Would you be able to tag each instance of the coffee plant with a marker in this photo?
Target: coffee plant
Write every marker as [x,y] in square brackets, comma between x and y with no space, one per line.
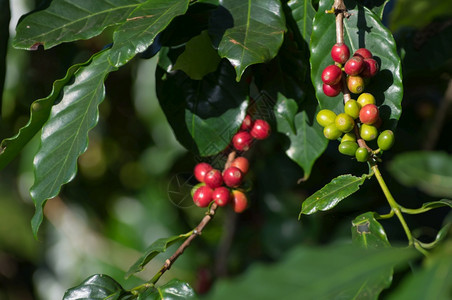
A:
[290,116]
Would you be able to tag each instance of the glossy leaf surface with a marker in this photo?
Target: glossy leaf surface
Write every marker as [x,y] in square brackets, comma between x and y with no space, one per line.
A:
[175,289]
[368,232]
[95,287]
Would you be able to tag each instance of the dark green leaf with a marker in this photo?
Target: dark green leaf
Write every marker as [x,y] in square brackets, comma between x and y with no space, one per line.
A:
[155,248]
[376,6]
[331,194]
[204,114]
[431,172]
[142,26]
[199,57]
[303,14]
[39,113]
[257,34]
[307,142]
[65,135]
[95,287]
[368,232]
[5,16]
[175,289]
[362,29]
[333,272]
[70,20]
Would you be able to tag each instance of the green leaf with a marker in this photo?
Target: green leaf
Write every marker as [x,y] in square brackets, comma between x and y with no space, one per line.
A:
[65,135]
[257,34]
[204,114]
[142,26]
[303,14]
[332,272]
[307,142]
[442,233]
[428,206]
[331,194]
[39,113]
[175,289]
[159,246]
[199,57]
[70,20]
[5,17]
[368,232]
[430,172]
[98,286]
[362,29]
[377,6]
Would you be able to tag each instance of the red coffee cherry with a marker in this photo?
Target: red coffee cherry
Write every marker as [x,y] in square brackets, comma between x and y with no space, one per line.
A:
[260,130]
[203,196]
[370,68]
[340,53]
[221,196]
[369,114]
[239,201]
[363,52]
[201,170]
[241,163]
[242,140]
[332,90]
[232,177]
[354,65]
[213,178]
[247,123]
[331,75]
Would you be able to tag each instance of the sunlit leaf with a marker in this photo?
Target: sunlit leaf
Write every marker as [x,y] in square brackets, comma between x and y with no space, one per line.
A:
[96,287]
[376,6]
[175,289]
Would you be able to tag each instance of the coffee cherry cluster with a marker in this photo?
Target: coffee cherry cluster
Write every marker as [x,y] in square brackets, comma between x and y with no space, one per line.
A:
[223,187]
[357,69]
[362,113]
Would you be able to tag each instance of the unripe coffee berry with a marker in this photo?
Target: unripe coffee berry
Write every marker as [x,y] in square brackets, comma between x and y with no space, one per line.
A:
[355,84]
[213,178]
[325,117]
[351,108]
[348,137]
[361,154]
[354,65]
[331,132]
[366,98]
[239,201]
[348,148]
[241,163]
[201,170]
[370,68]
[221,196]
[260,130]
[332,90]
[363,52]
[232,177]
[202,196]
[386,140]
[247,123]
[331,75]
[344,122]
[242,141]
[340,53]
[368,132]
[369,114]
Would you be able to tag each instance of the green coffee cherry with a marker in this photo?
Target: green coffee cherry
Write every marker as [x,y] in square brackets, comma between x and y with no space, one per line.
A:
[386,140]
[368,132]
[331,132]
[348,148]
[325,117]
[366,98]
[344,122]
[352,108]
[362,154]
[348,137]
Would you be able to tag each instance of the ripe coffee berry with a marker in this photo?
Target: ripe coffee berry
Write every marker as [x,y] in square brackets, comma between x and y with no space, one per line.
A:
[260,130]
[368,132]
[242,140]
[202,196]
[363,52]
[201,170]
[344,122]
[213,178]
[354,65]
[366,98]
[196,187]
[332,90]
[340,53]
[386,140]
[370,68]
[239,201]
[351,108]
[325,117]
[355,84]
[241,163]
[247,123]
[348,148]
[369,114]
[331,75]
[232,177]
[331,132]
[362,154]
[221,196]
